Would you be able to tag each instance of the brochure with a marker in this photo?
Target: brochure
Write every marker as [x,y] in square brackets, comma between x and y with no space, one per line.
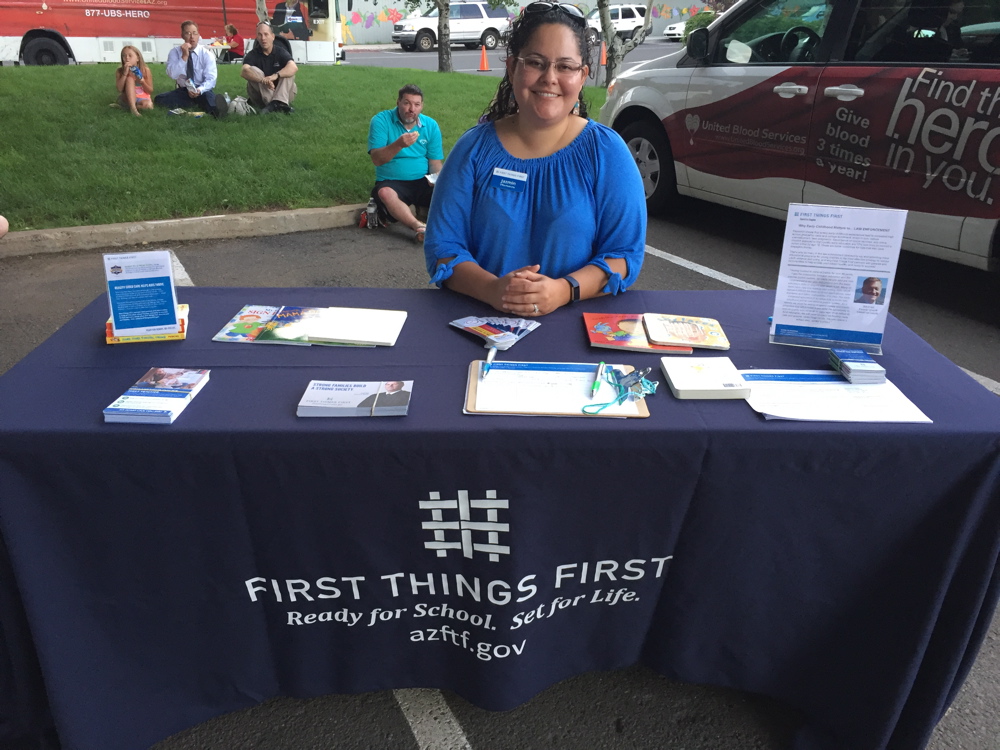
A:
[141,293]
[824,396]
[324,398]
[838,267]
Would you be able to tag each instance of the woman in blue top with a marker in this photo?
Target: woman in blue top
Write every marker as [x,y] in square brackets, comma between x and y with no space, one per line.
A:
[538,206]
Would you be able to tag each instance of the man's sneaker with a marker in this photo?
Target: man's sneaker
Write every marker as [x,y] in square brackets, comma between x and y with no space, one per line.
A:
[271,108]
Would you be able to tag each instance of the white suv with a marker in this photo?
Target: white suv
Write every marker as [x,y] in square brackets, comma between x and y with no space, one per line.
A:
[626,20]
[471,24]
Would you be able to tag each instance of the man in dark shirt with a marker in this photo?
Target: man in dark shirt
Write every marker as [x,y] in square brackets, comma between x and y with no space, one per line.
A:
[270,74]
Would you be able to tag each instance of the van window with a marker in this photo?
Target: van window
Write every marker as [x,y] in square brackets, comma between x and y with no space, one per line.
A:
[470,12]
[925,32]
[500,12]
[628,13]
[776,32]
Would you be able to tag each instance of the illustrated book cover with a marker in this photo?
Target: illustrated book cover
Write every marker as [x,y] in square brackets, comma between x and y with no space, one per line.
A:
[624,331]
[247,324]
[684,330]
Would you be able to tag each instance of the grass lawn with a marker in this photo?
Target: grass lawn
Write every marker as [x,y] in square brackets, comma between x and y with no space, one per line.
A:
[68,159]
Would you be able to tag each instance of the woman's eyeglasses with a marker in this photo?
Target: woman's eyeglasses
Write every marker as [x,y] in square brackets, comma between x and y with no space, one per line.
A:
[540,65]
[570,10]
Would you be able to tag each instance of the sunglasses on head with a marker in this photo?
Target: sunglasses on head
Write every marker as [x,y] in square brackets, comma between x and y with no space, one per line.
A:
[570,10]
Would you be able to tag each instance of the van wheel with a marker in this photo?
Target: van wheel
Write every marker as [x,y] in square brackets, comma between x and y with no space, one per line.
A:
[44,51]
[424,41]
[650,148]
[490,39]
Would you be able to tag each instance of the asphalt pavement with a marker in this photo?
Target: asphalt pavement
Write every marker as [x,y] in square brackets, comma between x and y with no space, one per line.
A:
[630,708]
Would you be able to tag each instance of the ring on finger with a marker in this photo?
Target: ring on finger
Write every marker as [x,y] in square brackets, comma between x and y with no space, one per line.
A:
[536,309]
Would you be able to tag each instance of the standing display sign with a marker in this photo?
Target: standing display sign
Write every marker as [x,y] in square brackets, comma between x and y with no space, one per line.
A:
[836,277]
[141,293]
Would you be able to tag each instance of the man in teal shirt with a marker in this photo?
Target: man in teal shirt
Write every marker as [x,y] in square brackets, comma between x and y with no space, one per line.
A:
[405,146]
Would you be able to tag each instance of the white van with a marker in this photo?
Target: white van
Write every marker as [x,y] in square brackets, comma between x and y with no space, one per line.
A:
[870,103]
[472,24]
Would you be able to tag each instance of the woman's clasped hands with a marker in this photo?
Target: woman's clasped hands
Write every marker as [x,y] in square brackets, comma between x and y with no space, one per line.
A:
[526,292]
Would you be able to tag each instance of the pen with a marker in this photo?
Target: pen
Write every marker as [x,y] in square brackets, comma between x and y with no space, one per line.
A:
[597,380]
[489,360]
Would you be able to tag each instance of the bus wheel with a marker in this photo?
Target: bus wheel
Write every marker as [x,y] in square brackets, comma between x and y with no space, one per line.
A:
[44,51]
[424,42]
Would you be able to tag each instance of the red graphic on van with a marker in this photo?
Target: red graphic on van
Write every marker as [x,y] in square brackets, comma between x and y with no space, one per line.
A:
[922,139]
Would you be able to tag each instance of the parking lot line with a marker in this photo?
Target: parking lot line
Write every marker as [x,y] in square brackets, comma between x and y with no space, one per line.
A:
[431,720]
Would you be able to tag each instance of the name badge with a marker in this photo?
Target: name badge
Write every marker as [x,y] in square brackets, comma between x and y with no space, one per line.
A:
[505,179]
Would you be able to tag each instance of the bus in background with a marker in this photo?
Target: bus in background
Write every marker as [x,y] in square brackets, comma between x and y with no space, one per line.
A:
[56,32]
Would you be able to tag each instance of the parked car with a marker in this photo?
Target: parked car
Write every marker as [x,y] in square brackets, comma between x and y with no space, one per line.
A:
[868,106]
[472,24]
[675,31]
[626,20]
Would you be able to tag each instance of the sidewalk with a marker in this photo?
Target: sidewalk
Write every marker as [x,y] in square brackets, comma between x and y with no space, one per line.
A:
[223,226]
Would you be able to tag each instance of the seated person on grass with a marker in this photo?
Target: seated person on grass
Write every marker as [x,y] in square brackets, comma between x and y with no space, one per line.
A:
[134,81]
[270,74]
[193,68]
[404,146]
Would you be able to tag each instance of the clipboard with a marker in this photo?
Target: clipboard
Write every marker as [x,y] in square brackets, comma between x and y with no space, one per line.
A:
[537,385]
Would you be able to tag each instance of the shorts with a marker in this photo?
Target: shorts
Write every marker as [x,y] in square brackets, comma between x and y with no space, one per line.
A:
[411,192]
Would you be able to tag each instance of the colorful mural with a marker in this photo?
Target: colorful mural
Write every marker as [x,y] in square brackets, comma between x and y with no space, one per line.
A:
[370,21]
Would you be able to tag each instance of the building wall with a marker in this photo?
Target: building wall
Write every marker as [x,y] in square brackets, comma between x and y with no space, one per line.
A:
[370,21]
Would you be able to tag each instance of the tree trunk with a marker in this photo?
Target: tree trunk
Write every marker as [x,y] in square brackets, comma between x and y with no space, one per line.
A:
[444,37]
[617,49]
[261,12]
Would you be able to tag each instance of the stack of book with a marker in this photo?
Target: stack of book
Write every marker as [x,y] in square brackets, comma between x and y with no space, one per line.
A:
[704,377]
[323,398]
[501,333]
[182,319]
[857,366]
[158,397]
[624,331]
[304,326]
[685,330]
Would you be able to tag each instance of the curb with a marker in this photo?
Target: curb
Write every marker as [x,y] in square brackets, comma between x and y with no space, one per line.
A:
[225,226]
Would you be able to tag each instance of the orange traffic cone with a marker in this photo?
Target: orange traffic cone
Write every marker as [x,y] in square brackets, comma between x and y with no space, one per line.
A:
[484,65]
[604,54]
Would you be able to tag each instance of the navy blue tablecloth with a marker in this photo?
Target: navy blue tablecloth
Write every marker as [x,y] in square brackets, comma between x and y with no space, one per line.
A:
[156,576]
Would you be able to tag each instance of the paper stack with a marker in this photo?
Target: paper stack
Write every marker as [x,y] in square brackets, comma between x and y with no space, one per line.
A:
[704,377]
[324,398]
[501,333]
[158,397]
[857,366]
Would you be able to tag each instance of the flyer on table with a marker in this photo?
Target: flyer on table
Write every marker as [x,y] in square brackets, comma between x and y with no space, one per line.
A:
[141,293]
[838,265]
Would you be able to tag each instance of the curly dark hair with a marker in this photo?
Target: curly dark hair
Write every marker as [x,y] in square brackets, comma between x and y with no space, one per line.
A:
[521,31]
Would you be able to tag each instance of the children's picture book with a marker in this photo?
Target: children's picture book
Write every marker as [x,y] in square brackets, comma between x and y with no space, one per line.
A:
[247,324]
[290,325]
[362,326]
[624,331]
[704,377]
[182,317]
[303,326]
[684,330]
[324,398]
[158,397]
